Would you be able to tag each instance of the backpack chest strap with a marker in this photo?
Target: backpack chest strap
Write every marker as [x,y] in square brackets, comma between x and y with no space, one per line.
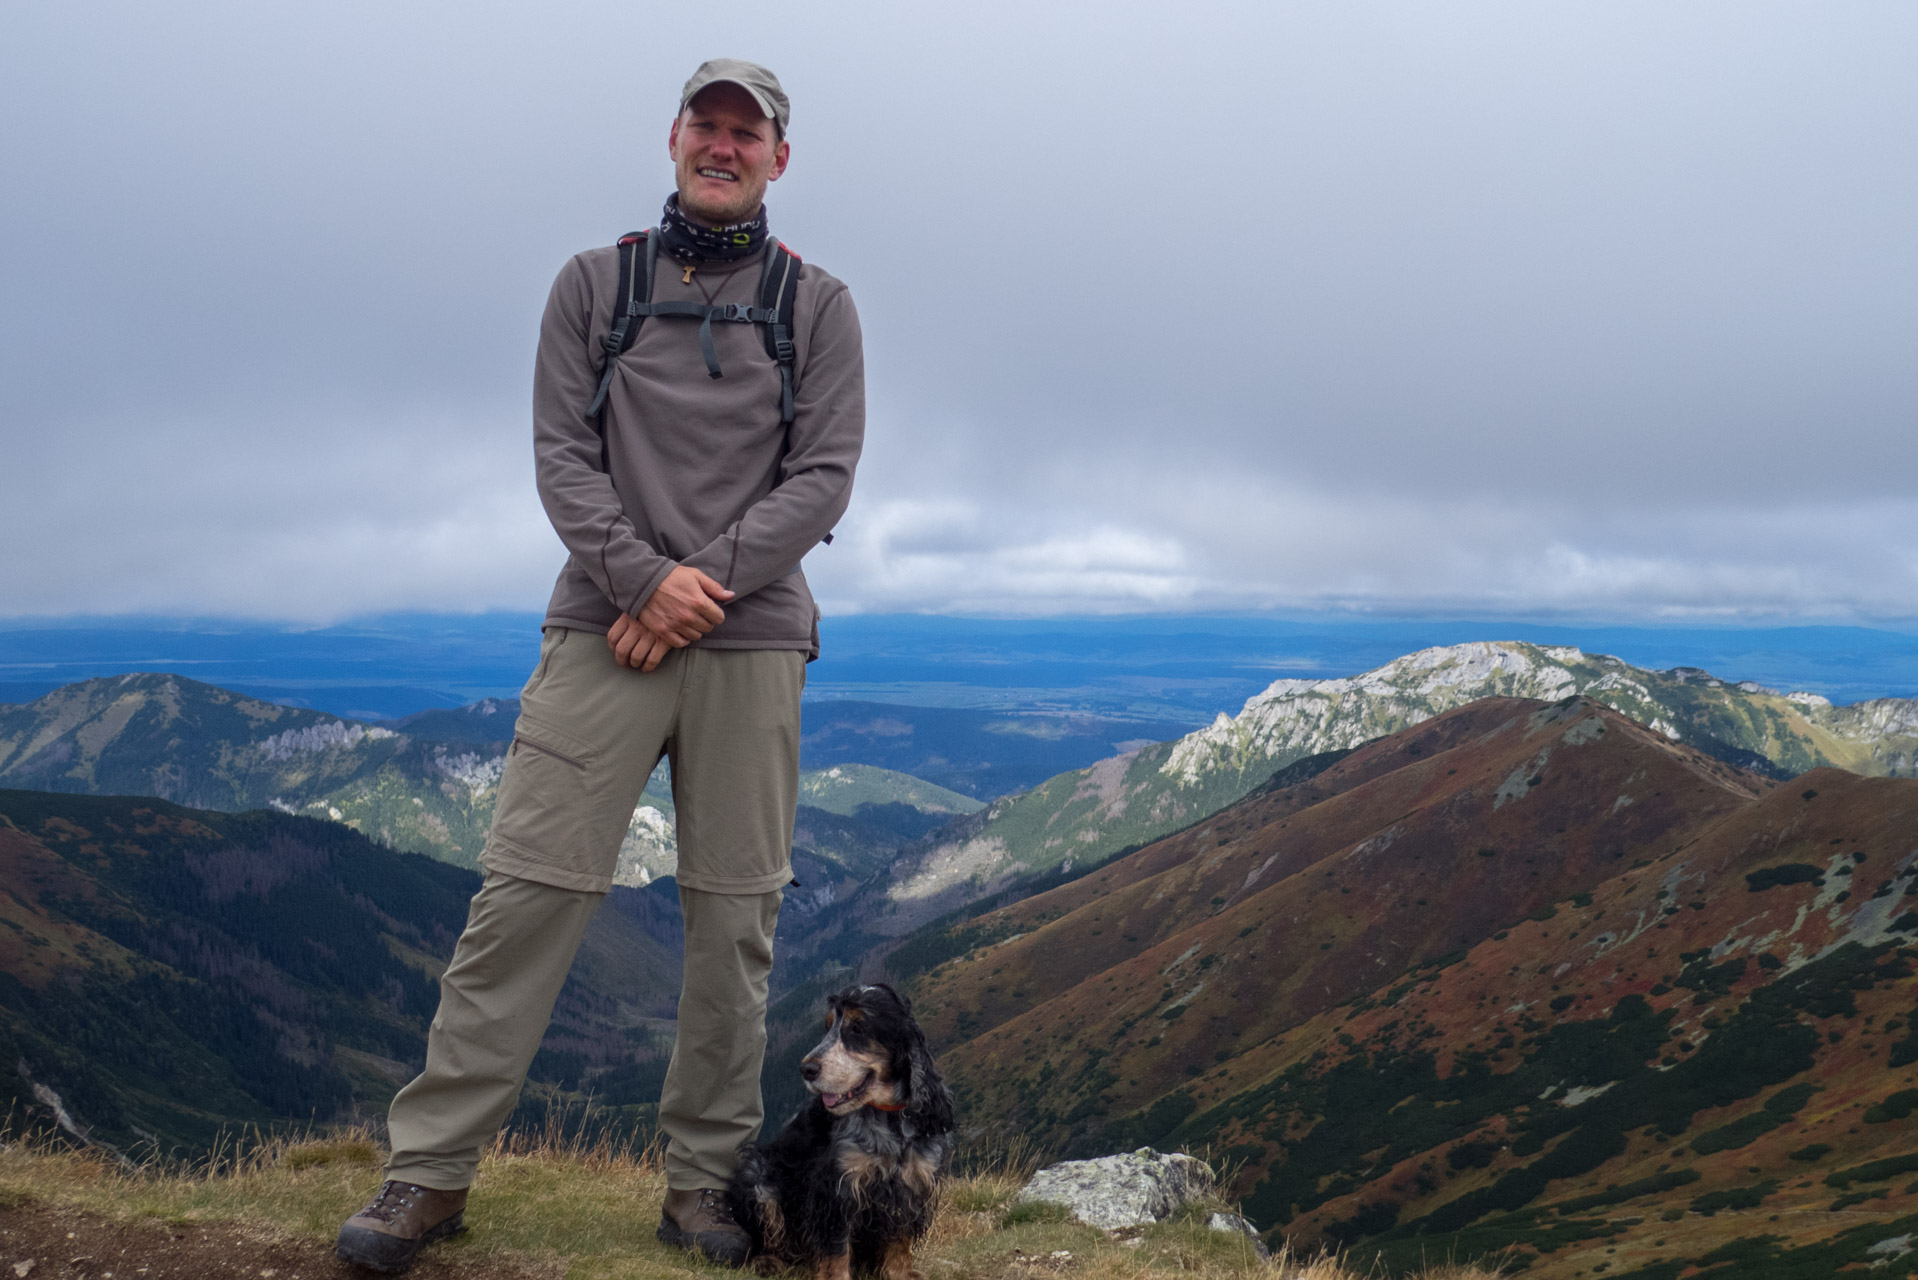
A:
[778,296]
[705,313]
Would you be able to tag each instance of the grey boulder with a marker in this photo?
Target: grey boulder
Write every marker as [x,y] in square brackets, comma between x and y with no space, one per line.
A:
[1235,1225]
[1114,1192]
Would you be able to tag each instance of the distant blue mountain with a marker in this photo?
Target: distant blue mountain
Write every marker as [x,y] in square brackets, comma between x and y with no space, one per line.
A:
[373,669]
[1180,670]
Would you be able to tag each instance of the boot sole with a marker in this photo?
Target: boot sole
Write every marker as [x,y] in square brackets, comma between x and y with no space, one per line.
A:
[671,1233]
[377,1251]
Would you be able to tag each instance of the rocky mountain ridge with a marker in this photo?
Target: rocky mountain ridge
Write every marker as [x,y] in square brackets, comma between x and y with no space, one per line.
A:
[1086,816]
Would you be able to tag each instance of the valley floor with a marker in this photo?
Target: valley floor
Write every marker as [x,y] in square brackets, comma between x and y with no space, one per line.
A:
[542,1211]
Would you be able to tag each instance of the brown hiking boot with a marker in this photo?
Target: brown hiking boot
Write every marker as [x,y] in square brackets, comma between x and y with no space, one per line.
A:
[699,1221]
[397,1223]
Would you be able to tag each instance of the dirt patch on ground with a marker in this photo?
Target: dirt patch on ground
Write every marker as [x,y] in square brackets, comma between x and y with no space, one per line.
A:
[40,1243]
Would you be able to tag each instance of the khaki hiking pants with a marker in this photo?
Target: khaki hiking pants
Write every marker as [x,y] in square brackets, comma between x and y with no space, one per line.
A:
[589,734]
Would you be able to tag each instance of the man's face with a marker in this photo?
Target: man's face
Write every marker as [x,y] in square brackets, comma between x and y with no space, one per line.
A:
[724,153]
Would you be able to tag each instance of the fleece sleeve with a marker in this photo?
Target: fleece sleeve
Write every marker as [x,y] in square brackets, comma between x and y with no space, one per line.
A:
[578,496]
[815,476]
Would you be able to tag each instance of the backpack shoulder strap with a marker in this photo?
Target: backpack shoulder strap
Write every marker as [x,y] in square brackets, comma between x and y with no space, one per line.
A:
[637,252]
[778,295]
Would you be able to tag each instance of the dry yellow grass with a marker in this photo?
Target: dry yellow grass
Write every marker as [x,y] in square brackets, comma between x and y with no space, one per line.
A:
[588,1213]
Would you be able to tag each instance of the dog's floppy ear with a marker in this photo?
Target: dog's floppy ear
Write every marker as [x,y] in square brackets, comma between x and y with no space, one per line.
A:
[928,1104]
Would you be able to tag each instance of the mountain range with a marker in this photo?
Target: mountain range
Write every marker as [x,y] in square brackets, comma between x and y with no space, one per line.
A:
[1085,816]
[426,783]
[978,753]
[1526,976]
[206,747]
[1491,948]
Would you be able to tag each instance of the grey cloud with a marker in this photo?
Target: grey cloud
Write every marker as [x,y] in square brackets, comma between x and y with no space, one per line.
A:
[1591,307]
[315,521]
[1206,542]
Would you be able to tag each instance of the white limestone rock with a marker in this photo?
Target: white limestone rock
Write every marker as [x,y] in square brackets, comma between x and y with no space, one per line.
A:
[1132,1190]
[1235,1225]
[650,849]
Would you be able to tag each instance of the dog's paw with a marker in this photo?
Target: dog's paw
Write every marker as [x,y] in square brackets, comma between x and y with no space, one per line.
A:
[765,1264]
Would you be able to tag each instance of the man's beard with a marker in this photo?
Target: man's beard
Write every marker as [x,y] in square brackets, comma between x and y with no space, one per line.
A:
[738,210]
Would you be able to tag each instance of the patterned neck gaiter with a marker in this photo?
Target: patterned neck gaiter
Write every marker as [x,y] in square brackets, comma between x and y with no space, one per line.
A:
[689,241]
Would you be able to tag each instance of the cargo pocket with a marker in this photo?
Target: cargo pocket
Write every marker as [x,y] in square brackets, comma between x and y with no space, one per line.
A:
[547,797]
[550,640]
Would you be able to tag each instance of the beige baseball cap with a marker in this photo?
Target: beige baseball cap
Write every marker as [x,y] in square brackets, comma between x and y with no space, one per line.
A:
[762,84]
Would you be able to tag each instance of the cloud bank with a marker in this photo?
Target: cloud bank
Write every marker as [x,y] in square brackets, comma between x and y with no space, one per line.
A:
[1494,309]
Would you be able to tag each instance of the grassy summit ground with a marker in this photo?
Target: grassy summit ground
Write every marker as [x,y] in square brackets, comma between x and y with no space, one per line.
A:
[539,1209]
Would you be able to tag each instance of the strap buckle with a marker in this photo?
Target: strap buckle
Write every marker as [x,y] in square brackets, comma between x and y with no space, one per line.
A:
[737,311]
[784,349]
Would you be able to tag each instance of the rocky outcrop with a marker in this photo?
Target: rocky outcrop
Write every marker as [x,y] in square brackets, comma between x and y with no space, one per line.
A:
[1234,1224]
[1115,1192]
[318,737]
[650,849]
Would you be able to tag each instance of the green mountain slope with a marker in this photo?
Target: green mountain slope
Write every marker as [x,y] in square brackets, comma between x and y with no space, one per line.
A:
[1128,800]
[853,790]
[200,745]
[851,820]
[166,972]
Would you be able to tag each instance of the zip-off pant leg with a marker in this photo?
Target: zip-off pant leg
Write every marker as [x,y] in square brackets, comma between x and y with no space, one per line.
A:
[495,1001]
[711,1102]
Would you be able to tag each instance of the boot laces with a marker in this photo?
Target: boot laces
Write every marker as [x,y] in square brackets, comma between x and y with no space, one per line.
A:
[394,1197]
[713,1201]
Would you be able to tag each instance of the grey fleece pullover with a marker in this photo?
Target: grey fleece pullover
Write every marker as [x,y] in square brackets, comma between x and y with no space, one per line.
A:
[701,472]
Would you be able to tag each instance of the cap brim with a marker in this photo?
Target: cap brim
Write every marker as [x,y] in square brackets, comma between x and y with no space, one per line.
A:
[761,100]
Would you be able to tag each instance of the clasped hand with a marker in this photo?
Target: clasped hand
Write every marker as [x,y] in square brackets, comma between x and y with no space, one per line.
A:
[681,609]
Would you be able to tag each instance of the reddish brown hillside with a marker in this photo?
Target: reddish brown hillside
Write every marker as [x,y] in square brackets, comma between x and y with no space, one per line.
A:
[1706,1057]
[1550,985]
[1213,943]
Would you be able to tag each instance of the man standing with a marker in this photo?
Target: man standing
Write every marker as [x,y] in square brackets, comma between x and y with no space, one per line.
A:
[716,459]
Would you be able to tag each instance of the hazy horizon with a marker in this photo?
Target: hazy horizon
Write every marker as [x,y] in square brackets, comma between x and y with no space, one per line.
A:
[1166,667]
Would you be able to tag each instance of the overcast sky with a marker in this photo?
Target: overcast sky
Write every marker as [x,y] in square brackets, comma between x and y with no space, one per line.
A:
[1450,308]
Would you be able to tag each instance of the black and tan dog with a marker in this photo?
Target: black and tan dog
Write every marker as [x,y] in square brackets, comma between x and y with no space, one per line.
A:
[853,1179]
